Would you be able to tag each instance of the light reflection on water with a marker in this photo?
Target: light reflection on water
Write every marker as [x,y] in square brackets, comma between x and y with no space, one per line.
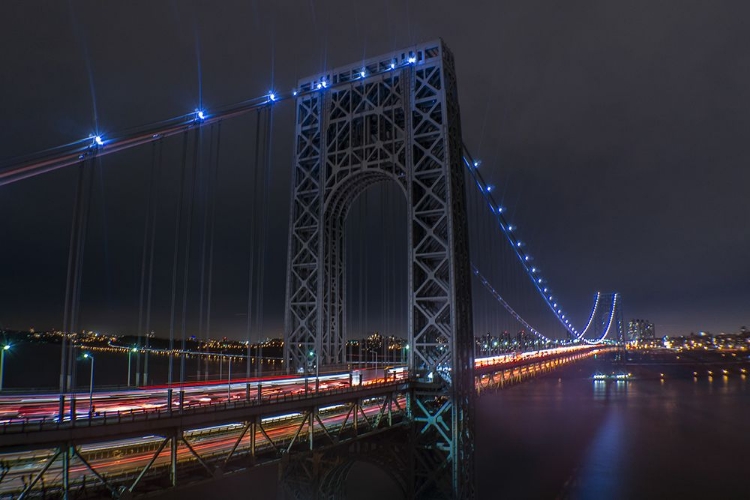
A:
[566,436]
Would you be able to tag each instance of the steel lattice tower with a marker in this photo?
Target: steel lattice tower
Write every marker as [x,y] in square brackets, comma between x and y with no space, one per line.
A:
[392,118]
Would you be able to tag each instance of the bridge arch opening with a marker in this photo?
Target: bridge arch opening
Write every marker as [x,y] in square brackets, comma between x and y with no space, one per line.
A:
[376,274]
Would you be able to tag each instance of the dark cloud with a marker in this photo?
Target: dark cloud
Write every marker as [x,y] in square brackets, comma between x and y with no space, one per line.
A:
[617,132]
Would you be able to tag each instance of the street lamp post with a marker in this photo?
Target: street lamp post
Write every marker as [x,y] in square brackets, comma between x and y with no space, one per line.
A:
[130,351]
[229,380]
[91,385]
[306,369]
[2,363]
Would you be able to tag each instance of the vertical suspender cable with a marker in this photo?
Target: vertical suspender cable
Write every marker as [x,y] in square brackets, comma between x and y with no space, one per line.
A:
[264,221]
[212,226]
[74,228]
[186,265]
[251,259]
[175,256]
[78,277]
[144,261]
[204,240]
[154,200]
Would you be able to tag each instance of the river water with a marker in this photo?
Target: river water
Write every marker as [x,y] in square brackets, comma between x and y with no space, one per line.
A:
[664,434]
[566,436]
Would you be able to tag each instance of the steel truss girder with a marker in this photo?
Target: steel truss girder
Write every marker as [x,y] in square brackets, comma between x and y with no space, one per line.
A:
[67,452]
[362,417]
[399,125]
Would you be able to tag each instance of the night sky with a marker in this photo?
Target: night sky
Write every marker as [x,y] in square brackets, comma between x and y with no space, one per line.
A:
[617,133]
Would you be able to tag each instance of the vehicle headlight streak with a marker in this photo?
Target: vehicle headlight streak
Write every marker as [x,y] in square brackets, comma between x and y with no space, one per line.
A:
[525,259]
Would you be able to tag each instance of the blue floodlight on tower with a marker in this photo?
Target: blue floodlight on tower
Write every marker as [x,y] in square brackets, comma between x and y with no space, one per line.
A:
[199,115]
[271,96]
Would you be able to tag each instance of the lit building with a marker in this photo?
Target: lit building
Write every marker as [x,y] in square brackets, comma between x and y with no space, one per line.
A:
[641,329]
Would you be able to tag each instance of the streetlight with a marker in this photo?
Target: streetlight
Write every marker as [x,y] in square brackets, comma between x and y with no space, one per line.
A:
[306,368]
[229,380]
[314,354]
[91,384]
[130,351]
[6,347]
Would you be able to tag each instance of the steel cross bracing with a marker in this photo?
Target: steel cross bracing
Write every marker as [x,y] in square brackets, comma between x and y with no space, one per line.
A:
[392,118]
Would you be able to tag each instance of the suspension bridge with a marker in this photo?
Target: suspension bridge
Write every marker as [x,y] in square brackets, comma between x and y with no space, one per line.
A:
[469,292]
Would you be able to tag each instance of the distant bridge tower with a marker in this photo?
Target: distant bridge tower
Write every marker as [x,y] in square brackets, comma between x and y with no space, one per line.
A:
[607,320]
[392,118]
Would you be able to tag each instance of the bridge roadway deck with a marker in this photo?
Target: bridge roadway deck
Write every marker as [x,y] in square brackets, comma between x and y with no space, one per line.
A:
[515,360]
[30,434]
[25,436]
